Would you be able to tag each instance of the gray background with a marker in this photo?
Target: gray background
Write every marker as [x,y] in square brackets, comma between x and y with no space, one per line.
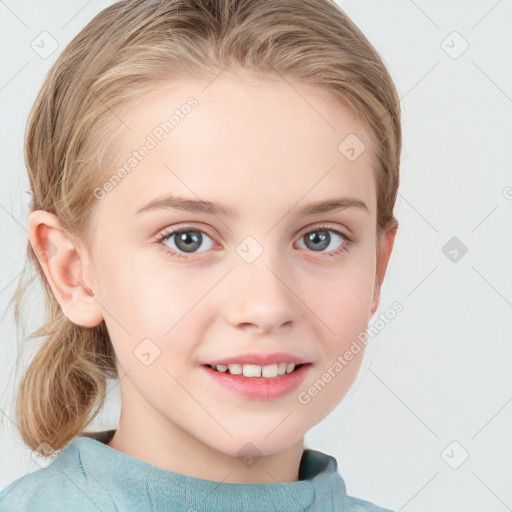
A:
[435,386]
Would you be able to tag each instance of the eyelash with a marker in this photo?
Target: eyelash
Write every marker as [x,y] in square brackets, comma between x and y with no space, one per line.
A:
[167,234]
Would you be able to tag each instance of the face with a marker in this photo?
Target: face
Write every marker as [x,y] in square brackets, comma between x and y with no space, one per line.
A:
[259,274]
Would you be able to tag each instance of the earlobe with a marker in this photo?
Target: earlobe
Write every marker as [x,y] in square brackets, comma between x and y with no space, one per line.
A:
[384,252]
[63,268]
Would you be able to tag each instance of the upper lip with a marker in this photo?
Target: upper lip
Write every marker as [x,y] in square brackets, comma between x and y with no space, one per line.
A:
[259,359]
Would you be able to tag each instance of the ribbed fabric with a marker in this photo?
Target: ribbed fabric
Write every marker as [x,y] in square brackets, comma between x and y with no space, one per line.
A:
[89,476]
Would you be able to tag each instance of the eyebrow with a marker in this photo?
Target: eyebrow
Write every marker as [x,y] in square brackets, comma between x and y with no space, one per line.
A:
[170,201]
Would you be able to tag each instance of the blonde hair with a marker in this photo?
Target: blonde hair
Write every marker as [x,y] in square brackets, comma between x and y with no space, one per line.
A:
[131,48]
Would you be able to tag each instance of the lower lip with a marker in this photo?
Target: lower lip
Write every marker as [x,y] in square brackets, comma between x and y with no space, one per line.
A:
[260,388]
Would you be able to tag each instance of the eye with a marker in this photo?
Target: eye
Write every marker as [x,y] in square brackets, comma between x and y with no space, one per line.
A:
[181,242]
[320,239]
[184,240]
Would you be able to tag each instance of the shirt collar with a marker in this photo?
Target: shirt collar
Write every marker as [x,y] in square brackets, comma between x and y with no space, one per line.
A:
[134,481]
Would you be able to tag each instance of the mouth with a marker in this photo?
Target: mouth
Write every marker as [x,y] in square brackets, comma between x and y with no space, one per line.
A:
[254,382]
[271,371]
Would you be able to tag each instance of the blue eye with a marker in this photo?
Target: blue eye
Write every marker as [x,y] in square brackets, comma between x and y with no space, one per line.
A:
[187,240]
[322,239]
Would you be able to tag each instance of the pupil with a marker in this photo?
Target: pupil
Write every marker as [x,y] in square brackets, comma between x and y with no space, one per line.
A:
[323,239]
[191,240]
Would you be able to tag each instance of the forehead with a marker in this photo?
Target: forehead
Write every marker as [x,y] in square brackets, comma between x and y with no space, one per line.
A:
[244,142]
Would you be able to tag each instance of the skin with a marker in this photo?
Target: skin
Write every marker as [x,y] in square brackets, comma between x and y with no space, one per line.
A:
[264,150]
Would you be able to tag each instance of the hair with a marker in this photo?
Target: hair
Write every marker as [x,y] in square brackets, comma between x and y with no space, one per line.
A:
[131,48]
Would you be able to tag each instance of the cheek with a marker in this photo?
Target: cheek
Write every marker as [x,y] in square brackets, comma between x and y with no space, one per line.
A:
[349,280]
[343,303]
[148,294]
[344,313]
[152,302]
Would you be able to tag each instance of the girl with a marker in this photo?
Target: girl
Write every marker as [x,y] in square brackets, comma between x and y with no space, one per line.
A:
[213,185]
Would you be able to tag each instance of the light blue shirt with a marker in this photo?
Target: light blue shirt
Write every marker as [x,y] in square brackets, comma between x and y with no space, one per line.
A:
[90,476]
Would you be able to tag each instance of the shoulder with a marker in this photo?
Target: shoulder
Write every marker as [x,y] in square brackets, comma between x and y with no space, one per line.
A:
[352,504]
[61,486]
[318,464]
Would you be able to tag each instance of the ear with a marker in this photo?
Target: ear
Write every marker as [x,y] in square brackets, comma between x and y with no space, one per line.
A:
[63,268]
[385,247]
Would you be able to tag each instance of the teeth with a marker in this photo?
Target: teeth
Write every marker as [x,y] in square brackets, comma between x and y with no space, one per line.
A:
[269,371]
[254,370]
[251,370]
[235,369]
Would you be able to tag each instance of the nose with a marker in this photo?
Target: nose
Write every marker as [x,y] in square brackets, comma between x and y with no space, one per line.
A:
[261,298]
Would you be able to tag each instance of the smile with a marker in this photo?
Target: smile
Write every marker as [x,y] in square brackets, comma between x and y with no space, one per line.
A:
[254,370]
